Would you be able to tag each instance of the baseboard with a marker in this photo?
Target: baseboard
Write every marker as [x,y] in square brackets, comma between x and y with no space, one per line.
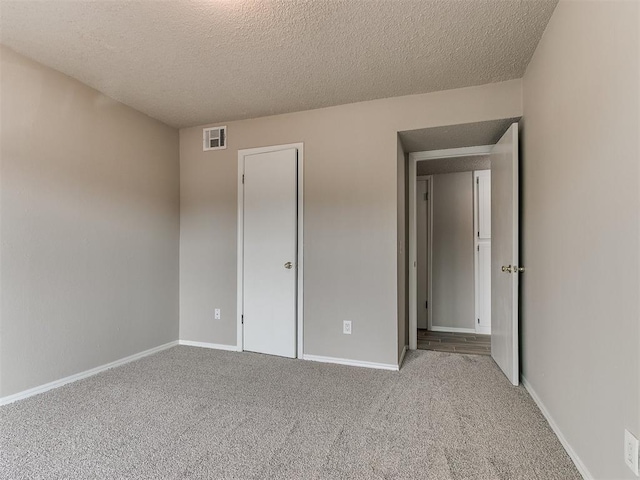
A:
[215,346]
[582,469]
[483,331]
[452,329]
[353,363]
[79,376]
[404,352]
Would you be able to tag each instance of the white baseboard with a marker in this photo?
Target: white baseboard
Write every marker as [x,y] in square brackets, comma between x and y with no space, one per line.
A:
[353,363]
[582,469]
[452,329]
[215,346]
[79,376]
[404,352]
[483,330]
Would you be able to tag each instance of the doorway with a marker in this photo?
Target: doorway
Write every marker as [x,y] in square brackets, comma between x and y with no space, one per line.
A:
[452,241]
[504,234]
[270,255]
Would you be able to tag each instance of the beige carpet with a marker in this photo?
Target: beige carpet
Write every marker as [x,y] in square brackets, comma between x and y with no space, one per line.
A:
[197,413]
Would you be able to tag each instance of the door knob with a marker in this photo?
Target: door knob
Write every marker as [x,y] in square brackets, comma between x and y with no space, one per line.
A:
[517,269]
[288,265]
[507,269]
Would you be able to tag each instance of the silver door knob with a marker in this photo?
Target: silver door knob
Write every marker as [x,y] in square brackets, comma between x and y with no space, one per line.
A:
[517,269]
[288,265]
[507,269]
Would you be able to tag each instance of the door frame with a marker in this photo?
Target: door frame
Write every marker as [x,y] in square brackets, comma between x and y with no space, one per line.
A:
[414,158]
[300,243]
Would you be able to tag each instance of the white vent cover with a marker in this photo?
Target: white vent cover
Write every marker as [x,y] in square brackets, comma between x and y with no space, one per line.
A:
[214,138]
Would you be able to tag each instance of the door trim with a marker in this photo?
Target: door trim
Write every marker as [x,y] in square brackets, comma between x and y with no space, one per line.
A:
[240,244]
[414,158]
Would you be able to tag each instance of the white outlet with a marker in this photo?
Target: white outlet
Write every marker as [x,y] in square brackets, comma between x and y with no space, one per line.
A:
[631,451]
[216,314]
[346,327]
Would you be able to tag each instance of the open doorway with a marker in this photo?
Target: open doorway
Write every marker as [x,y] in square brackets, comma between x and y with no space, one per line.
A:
[472,243]
[453,244]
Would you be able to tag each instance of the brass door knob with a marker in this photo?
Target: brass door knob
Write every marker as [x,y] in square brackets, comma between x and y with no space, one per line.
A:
[507,269]
[288,265]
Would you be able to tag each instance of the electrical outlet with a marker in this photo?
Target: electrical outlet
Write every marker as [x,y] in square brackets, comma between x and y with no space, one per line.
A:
[346,327]
[631,451]
[216,314]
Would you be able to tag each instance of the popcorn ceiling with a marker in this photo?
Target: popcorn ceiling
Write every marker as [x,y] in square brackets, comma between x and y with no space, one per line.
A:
[190,63]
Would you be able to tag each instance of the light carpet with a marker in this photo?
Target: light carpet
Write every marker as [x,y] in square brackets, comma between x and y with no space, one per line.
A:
[189,413]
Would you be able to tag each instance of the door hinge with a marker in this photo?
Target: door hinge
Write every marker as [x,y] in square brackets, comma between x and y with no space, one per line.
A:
[478,233]
[478,319]
[478,247]
[242,319]
[477,181]
[243,179]
[426,304]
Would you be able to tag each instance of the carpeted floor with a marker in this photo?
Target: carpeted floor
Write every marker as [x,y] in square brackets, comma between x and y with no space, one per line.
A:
[197,413]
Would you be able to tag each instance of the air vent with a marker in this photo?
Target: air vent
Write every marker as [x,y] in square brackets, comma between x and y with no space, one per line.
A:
[214,138]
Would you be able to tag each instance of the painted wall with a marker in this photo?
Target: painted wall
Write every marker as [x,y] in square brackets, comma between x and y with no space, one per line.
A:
[452,256]
[351,227]
[89,205]
[580,235]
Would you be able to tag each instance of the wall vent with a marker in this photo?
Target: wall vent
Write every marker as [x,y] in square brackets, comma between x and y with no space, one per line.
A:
[214,138]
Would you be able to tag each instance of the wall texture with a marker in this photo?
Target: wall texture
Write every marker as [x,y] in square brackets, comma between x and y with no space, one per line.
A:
[453,263]
[351,227]
[89,208]
[451,165]
[580,236]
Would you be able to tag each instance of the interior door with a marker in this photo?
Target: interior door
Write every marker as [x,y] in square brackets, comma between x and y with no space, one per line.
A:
[483,251]
[421,252]
[483,288]
[504,254]
[270,253]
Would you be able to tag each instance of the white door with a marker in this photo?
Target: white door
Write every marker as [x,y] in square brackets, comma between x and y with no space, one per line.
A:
[483,288]
[270,257]
[482,209]
[504,254]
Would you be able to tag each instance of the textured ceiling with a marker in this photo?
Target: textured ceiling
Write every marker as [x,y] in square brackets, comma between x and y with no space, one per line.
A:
[452,165]
[455,136]
[187,62]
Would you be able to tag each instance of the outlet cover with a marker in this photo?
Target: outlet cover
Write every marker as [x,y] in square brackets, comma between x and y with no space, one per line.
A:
[346,327]
[631,451]
[217,314]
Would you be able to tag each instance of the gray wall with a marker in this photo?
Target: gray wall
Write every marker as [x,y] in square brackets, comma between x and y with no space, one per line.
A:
[90,228]
[452,256]
[580,240]
[351,228]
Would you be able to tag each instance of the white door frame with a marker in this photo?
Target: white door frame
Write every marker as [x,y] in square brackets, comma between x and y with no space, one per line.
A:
[414,158]
[300,259]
